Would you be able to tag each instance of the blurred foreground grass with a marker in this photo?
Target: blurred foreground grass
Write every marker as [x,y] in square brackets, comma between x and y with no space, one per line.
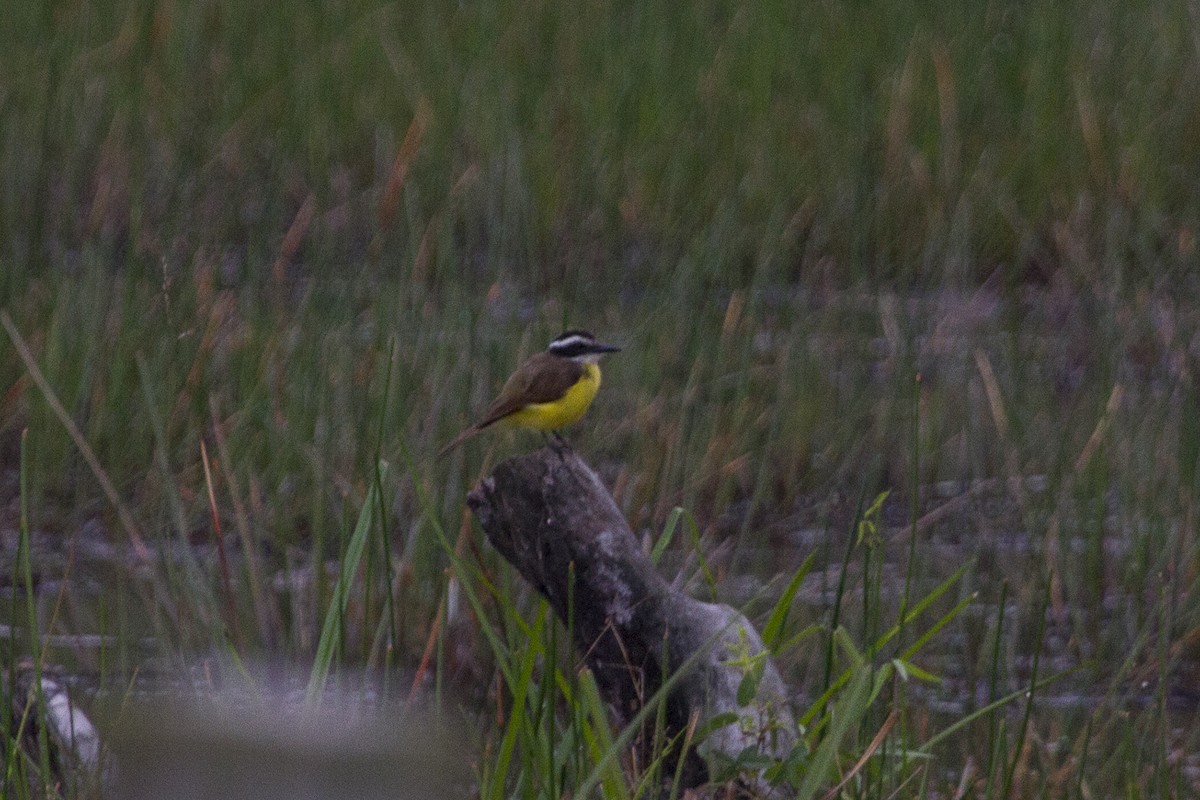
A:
[310,237]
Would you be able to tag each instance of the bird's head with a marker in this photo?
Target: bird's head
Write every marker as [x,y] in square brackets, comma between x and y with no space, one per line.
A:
[580,346]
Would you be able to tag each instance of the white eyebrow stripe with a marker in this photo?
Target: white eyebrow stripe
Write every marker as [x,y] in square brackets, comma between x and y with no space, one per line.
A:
[569,342]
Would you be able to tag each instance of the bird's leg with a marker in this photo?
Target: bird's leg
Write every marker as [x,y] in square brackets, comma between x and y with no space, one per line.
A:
[559,444]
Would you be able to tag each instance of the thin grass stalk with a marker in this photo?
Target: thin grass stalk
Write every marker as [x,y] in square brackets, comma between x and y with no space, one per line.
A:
[161,457]
[1161,720]
[649,782]
[694,530]
[371,557]
[658,746]
[913,507]
[440,635]
[517,716]
[576,707]
[384,526]
[688,737]
[993,688]
[132,530]
[8,737]
[31,621]
[909,569]
[841,591]
[1023,731]
[266,611]
[870,590]
[1083,758]
[222,562]
[549,697]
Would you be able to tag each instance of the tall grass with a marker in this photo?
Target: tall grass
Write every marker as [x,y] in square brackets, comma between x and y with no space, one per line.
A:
[298,398]
[592,148]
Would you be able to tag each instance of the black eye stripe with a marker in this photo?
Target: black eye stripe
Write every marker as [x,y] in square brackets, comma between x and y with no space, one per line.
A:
[572,349]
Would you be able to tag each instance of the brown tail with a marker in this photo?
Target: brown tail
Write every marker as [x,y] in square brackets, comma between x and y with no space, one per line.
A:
[462,437]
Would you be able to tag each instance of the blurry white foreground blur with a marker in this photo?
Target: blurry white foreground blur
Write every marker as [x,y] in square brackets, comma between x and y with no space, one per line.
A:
[264,750]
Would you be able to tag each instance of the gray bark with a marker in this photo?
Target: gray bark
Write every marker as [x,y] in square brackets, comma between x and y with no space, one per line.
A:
[550,516]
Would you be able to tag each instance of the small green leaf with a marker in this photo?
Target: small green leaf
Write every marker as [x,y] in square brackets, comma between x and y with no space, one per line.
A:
[748,688]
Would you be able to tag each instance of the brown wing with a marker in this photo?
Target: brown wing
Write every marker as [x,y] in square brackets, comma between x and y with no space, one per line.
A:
[542,378]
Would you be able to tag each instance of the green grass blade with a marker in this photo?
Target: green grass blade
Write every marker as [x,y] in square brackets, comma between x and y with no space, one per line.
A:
[921,641]
[517,715]
[774,629]
[849,712]
[956,726]
[667,535]
[606,771]
[331,629]
[31,621]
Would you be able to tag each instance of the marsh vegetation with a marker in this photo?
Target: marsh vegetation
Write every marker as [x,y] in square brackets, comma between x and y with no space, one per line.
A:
[267,261]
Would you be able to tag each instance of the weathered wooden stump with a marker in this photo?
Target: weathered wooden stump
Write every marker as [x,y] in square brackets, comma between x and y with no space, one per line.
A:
[551,517]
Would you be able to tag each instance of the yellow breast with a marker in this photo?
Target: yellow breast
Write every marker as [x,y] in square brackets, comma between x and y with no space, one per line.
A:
[563,411]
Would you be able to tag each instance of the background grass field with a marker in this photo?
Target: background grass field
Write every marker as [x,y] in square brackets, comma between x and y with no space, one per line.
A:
[849,247]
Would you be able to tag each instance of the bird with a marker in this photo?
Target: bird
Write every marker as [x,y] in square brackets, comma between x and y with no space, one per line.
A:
[549,391]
